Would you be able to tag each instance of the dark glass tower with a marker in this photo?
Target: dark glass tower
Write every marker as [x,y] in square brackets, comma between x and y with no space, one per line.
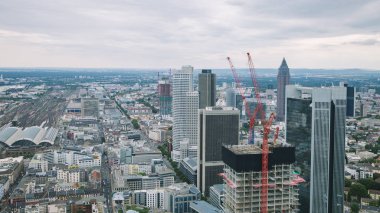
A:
[217,126]
[207,89]
[283,78]
[315,120]
[351,93]
[298,134]
[350,101]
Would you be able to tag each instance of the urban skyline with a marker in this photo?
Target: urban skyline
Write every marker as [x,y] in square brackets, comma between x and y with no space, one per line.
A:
[189,107]
[145,141]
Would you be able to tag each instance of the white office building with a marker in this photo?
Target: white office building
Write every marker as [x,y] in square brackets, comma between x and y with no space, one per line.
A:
[185,111]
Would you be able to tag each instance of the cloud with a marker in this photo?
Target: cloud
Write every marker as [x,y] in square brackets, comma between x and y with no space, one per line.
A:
[336,41]
[169,33]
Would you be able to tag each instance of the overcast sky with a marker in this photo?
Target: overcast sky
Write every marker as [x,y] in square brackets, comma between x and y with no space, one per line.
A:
[172,33]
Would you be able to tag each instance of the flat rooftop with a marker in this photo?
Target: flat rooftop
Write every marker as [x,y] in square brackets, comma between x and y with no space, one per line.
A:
[204,207]
[244,149]
[247,158]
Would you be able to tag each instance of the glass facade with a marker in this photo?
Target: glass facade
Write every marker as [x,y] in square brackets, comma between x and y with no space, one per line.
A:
[220,131]
[321,147]
[315,125]
[328,142]
[217,127]
[338,157]
[211,177]
[298,133]
[207,89]
[350,109]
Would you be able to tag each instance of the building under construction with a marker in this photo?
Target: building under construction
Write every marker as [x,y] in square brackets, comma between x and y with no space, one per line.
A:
[243,179]
[165,97]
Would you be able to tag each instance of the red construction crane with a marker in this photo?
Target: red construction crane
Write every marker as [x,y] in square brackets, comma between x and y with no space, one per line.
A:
[238,85]
[264,165]
[266,124]
[276,135]
[252,71]
[252,117]
[228,181]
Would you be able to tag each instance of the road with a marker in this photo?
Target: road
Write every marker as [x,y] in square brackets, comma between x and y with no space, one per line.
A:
[106,182]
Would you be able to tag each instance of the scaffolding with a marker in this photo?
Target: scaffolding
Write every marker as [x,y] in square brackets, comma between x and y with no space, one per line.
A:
[243,190]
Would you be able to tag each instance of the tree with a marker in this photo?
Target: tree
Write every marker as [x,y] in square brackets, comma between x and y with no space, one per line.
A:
[368,183]
[347,182]
[354,208]
[135,124]
[358,190]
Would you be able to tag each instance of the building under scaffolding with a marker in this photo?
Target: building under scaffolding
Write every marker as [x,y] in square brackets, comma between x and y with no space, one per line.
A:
[242,179]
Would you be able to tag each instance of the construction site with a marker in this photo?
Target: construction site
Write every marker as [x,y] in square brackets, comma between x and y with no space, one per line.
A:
[243,174]
[259,177]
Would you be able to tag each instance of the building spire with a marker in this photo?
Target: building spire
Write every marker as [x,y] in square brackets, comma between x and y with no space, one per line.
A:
[284,64]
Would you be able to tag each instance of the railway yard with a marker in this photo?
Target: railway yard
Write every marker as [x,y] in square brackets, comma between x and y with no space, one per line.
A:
[47,108]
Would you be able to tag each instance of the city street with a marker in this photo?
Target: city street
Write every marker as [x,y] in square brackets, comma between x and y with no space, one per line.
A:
[106,182]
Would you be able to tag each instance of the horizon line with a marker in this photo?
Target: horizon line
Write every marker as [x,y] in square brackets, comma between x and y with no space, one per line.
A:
[168,69]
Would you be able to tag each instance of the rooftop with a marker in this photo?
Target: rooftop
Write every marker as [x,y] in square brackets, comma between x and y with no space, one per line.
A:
[204,207]
[216,108]
[218,188]
[74,105]
[35,134]
[192,163]
[244,149]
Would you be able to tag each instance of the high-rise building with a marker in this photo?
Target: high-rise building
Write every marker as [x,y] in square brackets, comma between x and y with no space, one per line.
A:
[242,179]
[185,114]
[90,107]
[217,126]
[230,96]
[298,133]
[252,103]
[234,99]
[351,95]
[363,107]
[164,95]
[283,78]
[207,89]
[315,124]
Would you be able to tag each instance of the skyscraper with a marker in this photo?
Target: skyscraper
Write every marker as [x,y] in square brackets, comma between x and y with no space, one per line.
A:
[230,96]
[363,109]
[207,89]
[298,133]
[185,114]
[242,179]
[327,141]
[283,78]
[165,98]
[217,126]
[351,94]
